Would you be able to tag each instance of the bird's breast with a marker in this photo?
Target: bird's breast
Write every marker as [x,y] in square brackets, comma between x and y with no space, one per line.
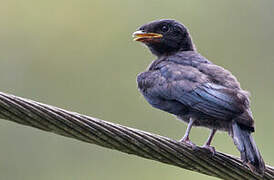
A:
[152,85]
[145,80]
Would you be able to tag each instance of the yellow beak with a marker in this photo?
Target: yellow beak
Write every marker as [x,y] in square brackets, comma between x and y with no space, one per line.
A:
[144,36]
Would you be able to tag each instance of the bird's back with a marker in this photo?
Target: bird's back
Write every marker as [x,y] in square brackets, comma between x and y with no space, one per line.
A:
[189,83]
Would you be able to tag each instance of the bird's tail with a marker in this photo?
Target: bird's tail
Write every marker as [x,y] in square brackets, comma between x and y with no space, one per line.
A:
[246,145]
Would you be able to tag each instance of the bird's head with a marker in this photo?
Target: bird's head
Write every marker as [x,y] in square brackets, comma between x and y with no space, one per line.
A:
[164,37]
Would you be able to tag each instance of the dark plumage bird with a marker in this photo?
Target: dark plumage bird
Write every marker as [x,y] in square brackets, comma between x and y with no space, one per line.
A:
[184,83]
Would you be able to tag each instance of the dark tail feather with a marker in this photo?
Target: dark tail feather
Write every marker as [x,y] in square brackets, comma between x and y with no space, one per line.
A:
[246,145]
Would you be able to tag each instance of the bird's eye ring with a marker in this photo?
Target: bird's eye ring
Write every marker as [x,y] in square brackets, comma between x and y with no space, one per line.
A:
[164,28]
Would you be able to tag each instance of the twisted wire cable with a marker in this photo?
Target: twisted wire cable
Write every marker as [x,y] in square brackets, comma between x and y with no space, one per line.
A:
[125,139]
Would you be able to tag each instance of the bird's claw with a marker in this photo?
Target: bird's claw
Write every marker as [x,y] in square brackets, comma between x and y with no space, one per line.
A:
[210,148]
[188,142]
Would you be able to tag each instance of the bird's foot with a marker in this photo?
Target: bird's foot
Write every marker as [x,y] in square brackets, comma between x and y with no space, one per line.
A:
[187,141]
[210,148]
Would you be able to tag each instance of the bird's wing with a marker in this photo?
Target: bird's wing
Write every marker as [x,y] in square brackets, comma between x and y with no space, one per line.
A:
[211,99]
[190,87]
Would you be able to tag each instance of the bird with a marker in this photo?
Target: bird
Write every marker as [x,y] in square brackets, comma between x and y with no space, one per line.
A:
[200,93]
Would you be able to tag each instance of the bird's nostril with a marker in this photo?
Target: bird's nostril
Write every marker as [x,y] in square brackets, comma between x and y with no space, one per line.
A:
[141,28]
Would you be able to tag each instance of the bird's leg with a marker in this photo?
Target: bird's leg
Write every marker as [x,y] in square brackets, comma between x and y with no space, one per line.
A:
[208,142]
[186,136]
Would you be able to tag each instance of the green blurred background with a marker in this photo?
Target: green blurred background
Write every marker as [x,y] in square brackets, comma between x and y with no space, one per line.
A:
[79,55]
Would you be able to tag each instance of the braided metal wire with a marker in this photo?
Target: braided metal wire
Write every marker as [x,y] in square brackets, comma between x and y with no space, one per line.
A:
[125,139]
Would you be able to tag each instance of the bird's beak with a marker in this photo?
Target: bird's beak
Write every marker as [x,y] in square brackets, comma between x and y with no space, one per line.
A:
[145,36]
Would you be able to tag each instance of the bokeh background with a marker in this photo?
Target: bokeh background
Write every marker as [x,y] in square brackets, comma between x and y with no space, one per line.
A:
[79,55]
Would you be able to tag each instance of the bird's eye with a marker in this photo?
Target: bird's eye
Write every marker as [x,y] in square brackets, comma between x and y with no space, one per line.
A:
[164,28]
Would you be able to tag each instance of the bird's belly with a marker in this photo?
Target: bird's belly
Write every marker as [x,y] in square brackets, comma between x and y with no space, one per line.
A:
[171,106]
[203,120]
